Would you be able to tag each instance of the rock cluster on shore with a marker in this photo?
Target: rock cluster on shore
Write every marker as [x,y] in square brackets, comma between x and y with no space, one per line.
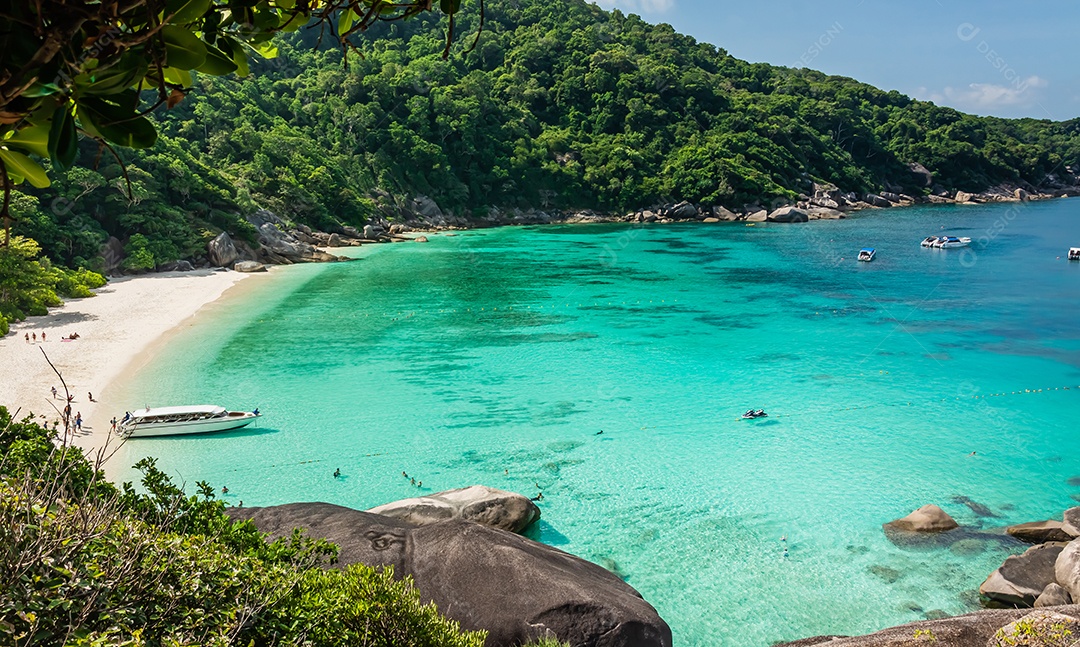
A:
[1049,627]
[482,576]
[279,243]
[1046,574]
[1040,584]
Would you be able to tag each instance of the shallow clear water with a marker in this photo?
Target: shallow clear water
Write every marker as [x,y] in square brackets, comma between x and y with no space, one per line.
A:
[496,356]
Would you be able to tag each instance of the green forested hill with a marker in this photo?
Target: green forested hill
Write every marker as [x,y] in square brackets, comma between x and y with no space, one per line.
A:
[561,105]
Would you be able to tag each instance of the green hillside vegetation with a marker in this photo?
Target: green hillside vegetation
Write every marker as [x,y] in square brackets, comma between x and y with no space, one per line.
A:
[86,563]
[561,105]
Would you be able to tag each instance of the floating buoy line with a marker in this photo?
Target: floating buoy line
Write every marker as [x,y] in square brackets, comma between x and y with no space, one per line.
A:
[958,398]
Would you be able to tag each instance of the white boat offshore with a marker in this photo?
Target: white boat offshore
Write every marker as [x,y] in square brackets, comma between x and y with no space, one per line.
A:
[195,419]
[1074,253]
[945,242]
[949,242]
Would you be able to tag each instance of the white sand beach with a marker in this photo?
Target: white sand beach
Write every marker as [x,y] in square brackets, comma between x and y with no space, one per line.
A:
[114,328]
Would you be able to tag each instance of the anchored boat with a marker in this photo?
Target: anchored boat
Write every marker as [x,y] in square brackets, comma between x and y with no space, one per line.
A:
[867,254]
[1074,253]
[173,421]
[949,242]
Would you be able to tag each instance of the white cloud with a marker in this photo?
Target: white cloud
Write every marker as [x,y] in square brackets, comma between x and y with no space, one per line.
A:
[638,6]
[988,97]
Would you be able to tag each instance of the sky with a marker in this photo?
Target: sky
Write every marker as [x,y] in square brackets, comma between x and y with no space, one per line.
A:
[989,57]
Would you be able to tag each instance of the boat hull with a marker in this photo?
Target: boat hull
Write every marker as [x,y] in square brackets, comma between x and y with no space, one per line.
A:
[211,425]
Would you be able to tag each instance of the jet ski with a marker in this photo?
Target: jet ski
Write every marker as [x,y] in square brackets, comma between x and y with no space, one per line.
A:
[751,414]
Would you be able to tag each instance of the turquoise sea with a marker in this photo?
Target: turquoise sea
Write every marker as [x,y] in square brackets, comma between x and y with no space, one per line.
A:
[497,356]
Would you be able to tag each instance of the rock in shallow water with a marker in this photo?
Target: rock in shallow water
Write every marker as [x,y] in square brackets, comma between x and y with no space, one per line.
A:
[516,589]
[928,518]
[1022,578]
[487,506]
[1040,532]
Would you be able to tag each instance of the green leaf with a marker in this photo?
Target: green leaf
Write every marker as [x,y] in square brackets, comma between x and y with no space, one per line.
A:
[39,89]
[20,165]
[185,11]
[241,60]
[217,62]
[291,23]
[266,50]
[178,77]
[63,140]
[183,49]
[117,124]
[33,139]
[119,78]
[450,6]
[345,21]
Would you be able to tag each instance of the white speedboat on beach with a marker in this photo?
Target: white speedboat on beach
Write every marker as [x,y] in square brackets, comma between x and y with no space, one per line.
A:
[950,242]
[173,421]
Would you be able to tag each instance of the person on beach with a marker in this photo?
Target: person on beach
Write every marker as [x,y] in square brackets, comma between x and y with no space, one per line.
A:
[42,335]
[34,337]
[54,393]
[89,396]
[78,421]
[27,337]
[113,421]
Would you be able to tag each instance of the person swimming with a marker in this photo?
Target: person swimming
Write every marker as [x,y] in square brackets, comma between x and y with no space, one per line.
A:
[337,473]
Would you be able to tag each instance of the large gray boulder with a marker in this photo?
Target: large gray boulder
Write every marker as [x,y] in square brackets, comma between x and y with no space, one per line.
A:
[278,245]
[683,211]
[487,506]
[249,267]
[1067,569]
[515,589]
[221,251]
[928,518]
[1053,596]
[789,214]
[758,216]
[1071,523]
[876,200]
[1023,578]
[112,253]
[1040,532]
[724,214]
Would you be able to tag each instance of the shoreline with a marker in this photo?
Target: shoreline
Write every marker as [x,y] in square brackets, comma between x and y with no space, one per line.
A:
[127,316]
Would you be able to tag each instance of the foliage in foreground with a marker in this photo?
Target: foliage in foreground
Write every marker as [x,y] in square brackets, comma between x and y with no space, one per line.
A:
[85,563]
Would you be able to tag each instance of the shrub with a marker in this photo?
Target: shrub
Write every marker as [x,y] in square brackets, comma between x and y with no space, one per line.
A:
[84,563]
